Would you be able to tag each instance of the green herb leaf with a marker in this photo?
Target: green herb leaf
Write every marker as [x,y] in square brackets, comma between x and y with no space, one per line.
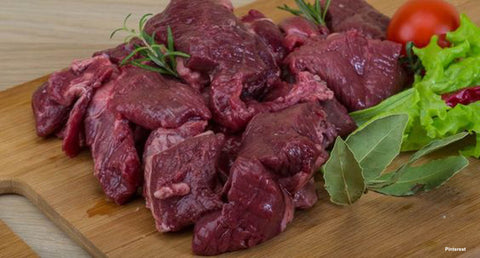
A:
[143,20]
[147,38]
[159,54]
[411,61]
[392,178]
[124,28]
[315,13]
[290,10]
[170,45]
[386,107]
[325,9]
[343,175]
[135,51]
[148,67]
[356,164]
[377,144]
[426,177]
[436,145]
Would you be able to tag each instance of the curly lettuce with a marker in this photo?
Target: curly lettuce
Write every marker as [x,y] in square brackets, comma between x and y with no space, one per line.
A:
[446,70]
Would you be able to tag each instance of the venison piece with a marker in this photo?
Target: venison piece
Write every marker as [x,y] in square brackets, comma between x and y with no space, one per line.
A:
[271,176]
[268,31]
[298,29]
[183,184]
[61,103]
[258,209]
[360,71]
[345,15]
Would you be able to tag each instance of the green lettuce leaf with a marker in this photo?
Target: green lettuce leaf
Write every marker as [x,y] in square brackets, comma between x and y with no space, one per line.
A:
[467,32]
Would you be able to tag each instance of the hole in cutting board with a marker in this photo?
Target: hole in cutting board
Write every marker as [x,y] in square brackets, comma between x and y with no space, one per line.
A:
[33,227]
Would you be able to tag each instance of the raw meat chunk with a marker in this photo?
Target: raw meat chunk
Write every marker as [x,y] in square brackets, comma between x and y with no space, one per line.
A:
[183,183]
[69,92]
[49,115]
[306,197]
[110,138]
[361,72]
[344,15]
[152,101]
[289,143]
[338,116]
[268,31]
[258,209]
[162,139]
[298,29]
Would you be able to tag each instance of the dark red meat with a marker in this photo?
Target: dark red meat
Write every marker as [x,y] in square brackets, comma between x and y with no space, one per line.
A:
[183,184]
[219,44]
[345,15]
[298,29]
[360,71]
[69,91]
[268,31]
[289,143]
[238,62]
[162,139]
[153,101]
[277,158]
[229,154]
[306,197]
[258,209]
[49,115]
[240,183]
[337,115]
[117,165]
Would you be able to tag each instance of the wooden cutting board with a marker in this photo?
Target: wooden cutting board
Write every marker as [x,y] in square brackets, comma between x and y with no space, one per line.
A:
[66,190]
[11,245]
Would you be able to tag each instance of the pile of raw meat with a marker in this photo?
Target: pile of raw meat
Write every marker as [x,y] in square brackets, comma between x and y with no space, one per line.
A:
[232,146]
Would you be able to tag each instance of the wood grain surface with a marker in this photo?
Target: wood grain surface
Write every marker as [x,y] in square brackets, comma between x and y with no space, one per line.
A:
[36,230]
[67,192]
[38,37]
[11,245]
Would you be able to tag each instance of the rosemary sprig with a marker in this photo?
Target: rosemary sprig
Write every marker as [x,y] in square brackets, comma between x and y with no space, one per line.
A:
[313,12]
[411,60]
[162,56]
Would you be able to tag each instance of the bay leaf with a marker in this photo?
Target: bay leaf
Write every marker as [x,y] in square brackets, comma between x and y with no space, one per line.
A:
[426,177]
[436,145]
[427,149]
[343,175]
[378,143]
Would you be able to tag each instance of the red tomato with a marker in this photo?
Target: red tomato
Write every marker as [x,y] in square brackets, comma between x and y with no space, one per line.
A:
[419,20]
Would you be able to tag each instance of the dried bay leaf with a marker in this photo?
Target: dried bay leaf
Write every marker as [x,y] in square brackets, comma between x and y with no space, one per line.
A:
[391,178]
[436,145]
[378,143]
[357,163]
[426,177]
[343,175]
